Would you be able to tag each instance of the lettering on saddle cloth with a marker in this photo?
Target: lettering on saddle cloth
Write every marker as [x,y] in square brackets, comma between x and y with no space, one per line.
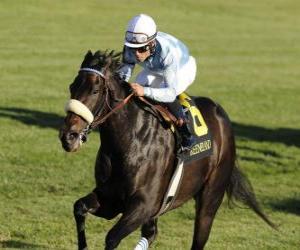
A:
[203,145]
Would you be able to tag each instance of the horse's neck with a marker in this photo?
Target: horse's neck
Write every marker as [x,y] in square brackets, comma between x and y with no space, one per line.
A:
[126,120]
[128,134]
[121,88]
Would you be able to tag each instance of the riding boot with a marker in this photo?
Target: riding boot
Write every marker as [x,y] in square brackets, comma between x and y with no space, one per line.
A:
[188,138]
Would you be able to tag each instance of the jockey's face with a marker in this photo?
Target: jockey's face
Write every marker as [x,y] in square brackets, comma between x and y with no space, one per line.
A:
[142,53]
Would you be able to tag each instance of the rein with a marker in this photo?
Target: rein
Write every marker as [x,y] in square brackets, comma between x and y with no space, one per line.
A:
[99,120]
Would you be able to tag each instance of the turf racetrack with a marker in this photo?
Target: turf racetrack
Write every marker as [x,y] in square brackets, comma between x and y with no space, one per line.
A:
[248,60]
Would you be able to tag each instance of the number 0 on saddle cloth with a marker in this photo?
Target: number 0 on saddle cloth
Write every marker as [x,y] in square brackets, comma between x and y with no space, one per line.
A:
[203,145]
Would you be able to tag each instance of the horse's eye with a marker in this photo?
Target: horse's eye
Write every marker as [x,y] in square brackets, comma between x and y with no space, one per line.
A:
[95,91]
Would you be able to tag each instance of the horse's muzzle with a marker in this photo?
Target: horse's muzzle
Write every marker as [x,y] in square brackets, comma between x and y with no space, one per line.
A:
[70,140]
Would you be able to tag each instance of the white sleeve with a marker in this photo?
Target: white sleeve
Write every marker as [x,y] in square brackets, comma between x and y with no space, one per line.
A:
[167,93]
[160,94]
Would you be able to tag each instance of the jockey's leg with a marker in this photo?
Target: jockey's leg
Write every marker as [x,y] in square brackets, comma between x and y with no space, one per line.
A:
[188,138]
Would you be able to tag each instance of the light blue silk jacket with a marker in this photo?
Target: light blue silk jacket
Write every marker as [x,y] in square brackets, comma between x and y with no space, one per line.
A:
[169,56]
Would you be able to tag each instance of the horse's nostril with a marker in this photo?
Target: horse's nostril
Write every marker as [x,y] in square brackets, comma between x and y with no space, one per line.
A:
[73,136]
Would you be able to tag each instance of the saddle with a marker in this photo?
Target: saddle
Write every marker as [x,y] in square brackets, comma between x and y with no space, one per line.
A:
[162,113]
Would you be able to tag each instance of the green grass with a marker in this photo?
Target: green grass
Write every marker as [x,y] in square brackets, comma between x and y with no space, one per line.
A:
[248,60]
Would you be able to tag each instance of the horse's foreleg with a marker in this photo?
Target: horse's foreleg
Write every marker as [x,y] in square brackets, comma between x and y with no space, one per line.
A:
[149,230]
[82,206]
[134,216]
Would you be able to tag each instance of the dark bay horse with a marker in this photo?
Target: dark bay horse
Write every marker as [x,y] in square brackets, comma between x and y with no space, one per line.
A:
[136,159]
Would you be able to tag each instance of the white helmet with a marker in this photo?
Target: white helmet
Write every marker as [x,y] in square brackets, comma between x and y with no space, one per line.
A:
[141,30]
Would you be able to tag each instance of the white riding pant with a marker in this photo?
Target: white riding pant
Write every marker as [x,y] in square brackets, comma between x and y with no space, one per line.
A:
[185,77]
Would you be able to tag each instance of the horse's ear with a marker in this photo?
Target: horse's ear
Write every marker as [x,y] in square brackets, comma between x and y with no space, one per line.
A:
[111,54]
[88,54]
[87,57]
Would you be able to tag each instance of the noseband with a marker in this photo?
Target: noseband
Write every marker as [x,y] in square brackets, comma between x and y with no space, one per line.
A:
[83,111]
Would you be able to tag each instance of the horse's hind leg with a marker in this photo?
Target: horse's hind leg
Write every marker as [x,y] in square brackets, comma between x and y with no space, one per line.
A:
[82,206]
[206,207]
[207,203]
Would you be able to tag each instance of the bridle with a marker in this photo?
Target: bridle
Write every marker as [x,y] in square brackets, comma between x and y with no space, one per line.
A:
[97,119]
[101,113]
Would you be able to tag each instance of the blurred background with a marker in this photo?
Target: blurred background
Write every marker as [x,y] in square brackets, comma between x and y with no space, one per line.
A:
[248,58]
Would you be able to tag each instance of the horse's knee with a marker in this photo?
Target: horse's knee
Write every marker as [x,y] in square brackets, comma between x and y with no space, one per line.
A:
[79,208]
[86,204]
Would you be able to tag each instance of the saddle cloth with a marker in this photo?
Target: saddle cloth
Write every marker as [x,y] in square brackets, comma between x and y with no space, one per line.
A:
[203,146]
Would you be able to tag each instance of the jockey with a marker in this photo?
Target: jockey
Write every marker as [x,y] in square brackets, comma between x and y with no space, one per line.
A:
[168,68]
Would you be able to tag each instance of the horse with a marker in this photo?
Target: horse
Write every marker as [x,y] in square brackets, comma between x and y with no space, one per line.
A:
[135,161]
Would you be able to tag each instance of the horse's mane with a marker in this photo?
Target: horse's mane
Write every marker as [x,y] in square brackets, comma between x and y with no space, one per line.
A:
[100,59]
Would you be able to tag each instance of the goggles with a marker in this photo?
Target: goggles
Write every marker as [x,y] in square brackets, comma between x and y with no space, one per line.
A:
[140,49]
[138,38]
[143,49]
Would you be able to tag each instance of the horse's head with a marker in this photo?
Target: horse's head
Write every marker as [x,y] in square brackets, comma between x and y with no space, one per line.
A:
[90,93]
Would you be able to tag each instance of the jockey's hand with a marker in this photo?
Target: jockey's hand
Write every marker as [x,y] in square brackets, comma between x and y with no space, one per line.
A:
[138,90]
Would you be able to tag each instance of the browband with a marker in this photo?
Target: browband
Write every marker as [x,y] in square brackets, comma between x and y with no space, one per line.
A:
[93,70]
